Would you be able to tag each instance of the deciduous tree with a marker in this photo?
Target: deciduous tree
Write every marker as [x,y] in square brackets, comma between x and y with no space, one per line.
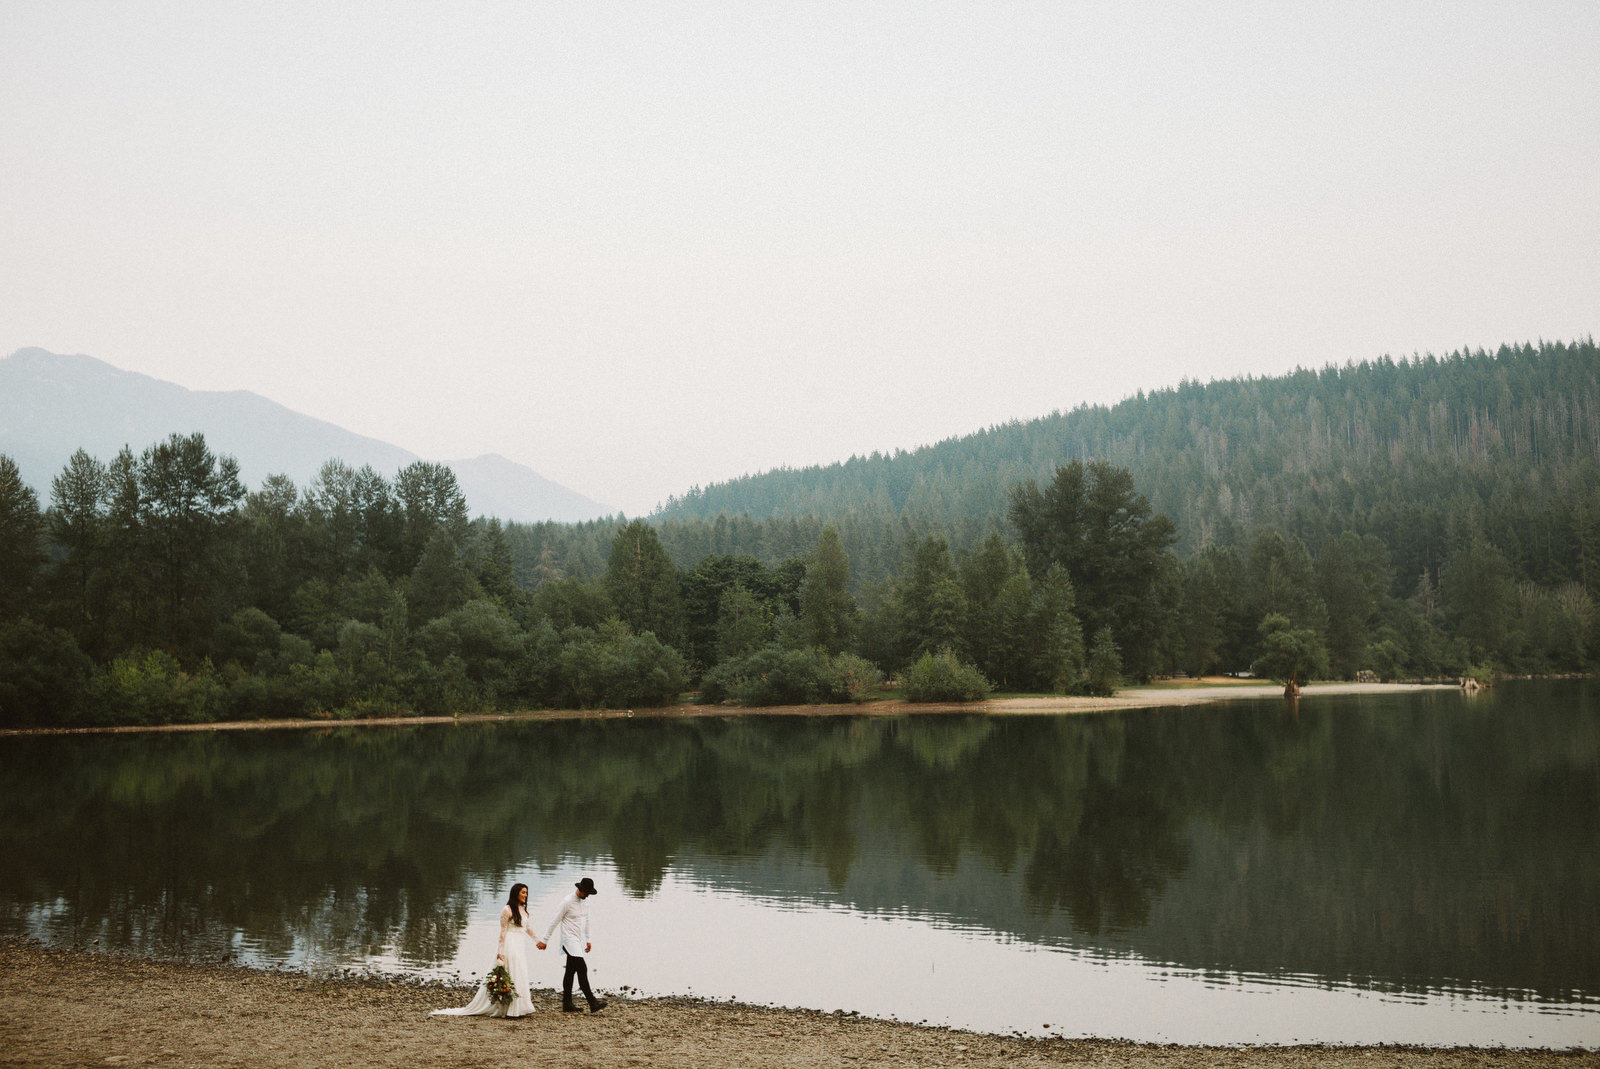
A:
[188,500]
[430,500]
[1289,654]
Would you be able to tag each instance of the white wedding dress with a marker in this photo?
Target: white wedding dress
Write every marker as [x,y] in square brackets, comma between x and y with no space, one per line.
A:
[516,943]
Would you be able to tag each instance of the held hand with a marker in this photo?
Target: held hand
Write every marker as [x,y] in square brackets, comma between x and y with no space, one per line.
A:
[587,947]
[541,946]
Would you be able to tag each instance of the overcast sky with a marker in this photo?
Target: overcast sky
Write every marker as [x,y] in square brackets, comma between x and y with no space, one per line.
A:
[643,246]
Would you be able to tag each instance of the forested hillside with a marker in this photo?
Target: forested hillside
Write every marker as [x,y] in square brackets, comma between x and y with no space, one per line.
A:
[1423,453]
[1400,519]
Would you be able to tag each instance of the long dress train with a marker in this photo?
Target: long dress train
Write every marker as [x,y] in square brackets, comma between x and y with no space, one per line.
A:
[515,944]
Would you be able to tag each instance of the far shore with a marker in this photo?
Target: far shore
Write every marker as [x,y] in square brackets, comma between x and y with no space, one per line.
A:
[1177,693]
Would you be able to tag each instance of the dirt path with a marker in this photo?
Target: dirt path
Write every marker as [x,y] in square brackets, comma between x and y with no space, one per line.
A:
[68,1007]
[1132,698]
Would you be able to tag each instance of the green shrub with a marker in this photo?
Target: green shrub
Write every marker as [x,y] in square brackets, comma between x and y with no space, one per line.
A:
[443,689]
[43,674]
[373,709]
[485,639]
[774,675]
[943,677]
[1385,658]
[615,668]
[857,677]
[331,684]
[257,697]
[153,688]
[249,638]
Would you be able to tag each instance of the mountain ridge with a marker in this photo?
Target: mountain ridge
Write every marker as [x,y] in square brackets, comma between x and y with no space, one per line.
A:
[52,404]
[1427,453]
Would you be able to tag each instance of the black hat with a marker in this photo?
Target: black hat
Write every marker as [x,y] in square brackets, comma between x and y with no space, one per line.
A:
[586,885]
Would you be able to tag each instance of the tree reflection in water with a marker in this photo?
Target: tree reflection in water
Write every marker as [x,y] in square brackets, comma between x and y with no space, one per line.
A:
[1411,841]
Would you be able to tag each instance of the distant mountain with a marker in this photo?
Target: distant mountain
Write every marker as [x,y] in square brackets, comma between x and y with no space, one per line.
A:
[51,405]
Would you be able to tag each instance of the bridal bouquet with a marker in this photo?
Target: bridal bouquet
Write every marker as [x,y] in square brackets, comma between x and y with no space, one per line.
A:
[498,984]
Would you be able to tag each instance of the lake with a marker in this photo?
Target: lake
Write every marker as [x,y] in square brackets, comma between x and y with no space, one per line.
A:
[1417,867]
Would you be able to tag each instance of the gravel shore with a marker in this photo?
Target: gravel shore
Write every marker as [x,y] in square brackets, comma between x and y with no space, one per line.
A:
[73,1007]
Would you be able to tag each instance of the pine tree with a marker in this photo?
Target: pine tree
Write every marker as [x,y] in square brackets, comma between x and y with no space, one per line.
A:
[826,607]
[643,586]
[20,528]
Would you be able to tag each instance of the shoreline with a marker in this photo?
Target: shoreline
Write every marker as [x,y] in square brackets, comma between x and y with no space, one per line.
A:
[71,1006]
[1040,705]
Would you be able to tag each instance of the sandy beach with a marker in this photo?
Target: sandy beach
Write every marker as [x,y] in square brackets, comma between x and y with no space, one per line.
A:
[65,1007]
[1201,693]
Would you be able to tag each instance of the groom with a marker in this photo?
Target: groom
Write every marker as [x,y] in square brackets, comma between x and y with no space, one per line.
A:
[573,920]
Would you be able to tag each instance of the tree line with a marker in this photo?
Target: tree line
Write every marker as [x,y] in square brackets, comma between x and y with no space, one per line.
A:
[157,588]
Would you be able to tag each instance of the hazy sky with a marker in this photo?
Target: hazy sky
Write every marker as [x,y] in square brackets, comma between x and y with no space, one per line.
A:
[642,246]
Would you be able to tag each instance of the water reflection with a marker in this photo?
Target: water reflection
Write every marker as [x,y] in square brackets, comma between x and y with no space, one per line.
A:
[1410,842]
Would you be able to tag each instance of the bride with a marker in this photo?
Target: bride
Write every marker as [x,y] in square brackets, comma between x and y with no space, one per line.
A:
[515,942]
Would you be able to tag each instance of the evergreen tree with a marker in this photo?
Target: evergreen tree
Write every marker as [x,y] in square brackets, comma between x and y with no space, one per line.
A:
[1217,628]
[642,585]
[1049,636]
[1103,674]
[276,540]
[335,519]
[77,497]
[1576,610]
[826,607]
[703,588]
[1091,522]
[744,623]
[441,582]
[572,603]
[933,603]
[1478,593]
[382,524]
[1002,636]
[1352,576]
[1282,580]
[129,566]
[491,562]
[996,607]
[21,526]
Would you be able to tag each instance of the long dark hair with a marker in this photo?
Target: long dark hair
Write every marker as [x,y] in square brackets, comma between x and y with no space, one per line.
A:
[516,906]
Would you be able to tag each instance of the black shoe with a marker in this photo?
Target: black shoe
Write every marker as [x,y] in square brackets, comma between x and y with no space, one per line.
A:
[596,1005]
[567,1006]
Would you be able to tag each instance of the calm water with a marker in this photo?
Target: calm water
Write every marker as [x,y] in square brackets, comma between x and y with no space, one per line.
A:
[1407,868]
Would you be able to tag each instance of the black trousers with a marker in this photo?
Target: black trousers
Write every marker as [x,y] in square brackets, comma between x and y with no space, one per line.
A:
[576,966]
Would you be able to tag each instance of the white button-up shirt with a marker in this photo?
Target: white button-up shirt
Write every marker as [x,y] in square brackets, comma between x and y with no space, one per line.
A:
[573,920]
